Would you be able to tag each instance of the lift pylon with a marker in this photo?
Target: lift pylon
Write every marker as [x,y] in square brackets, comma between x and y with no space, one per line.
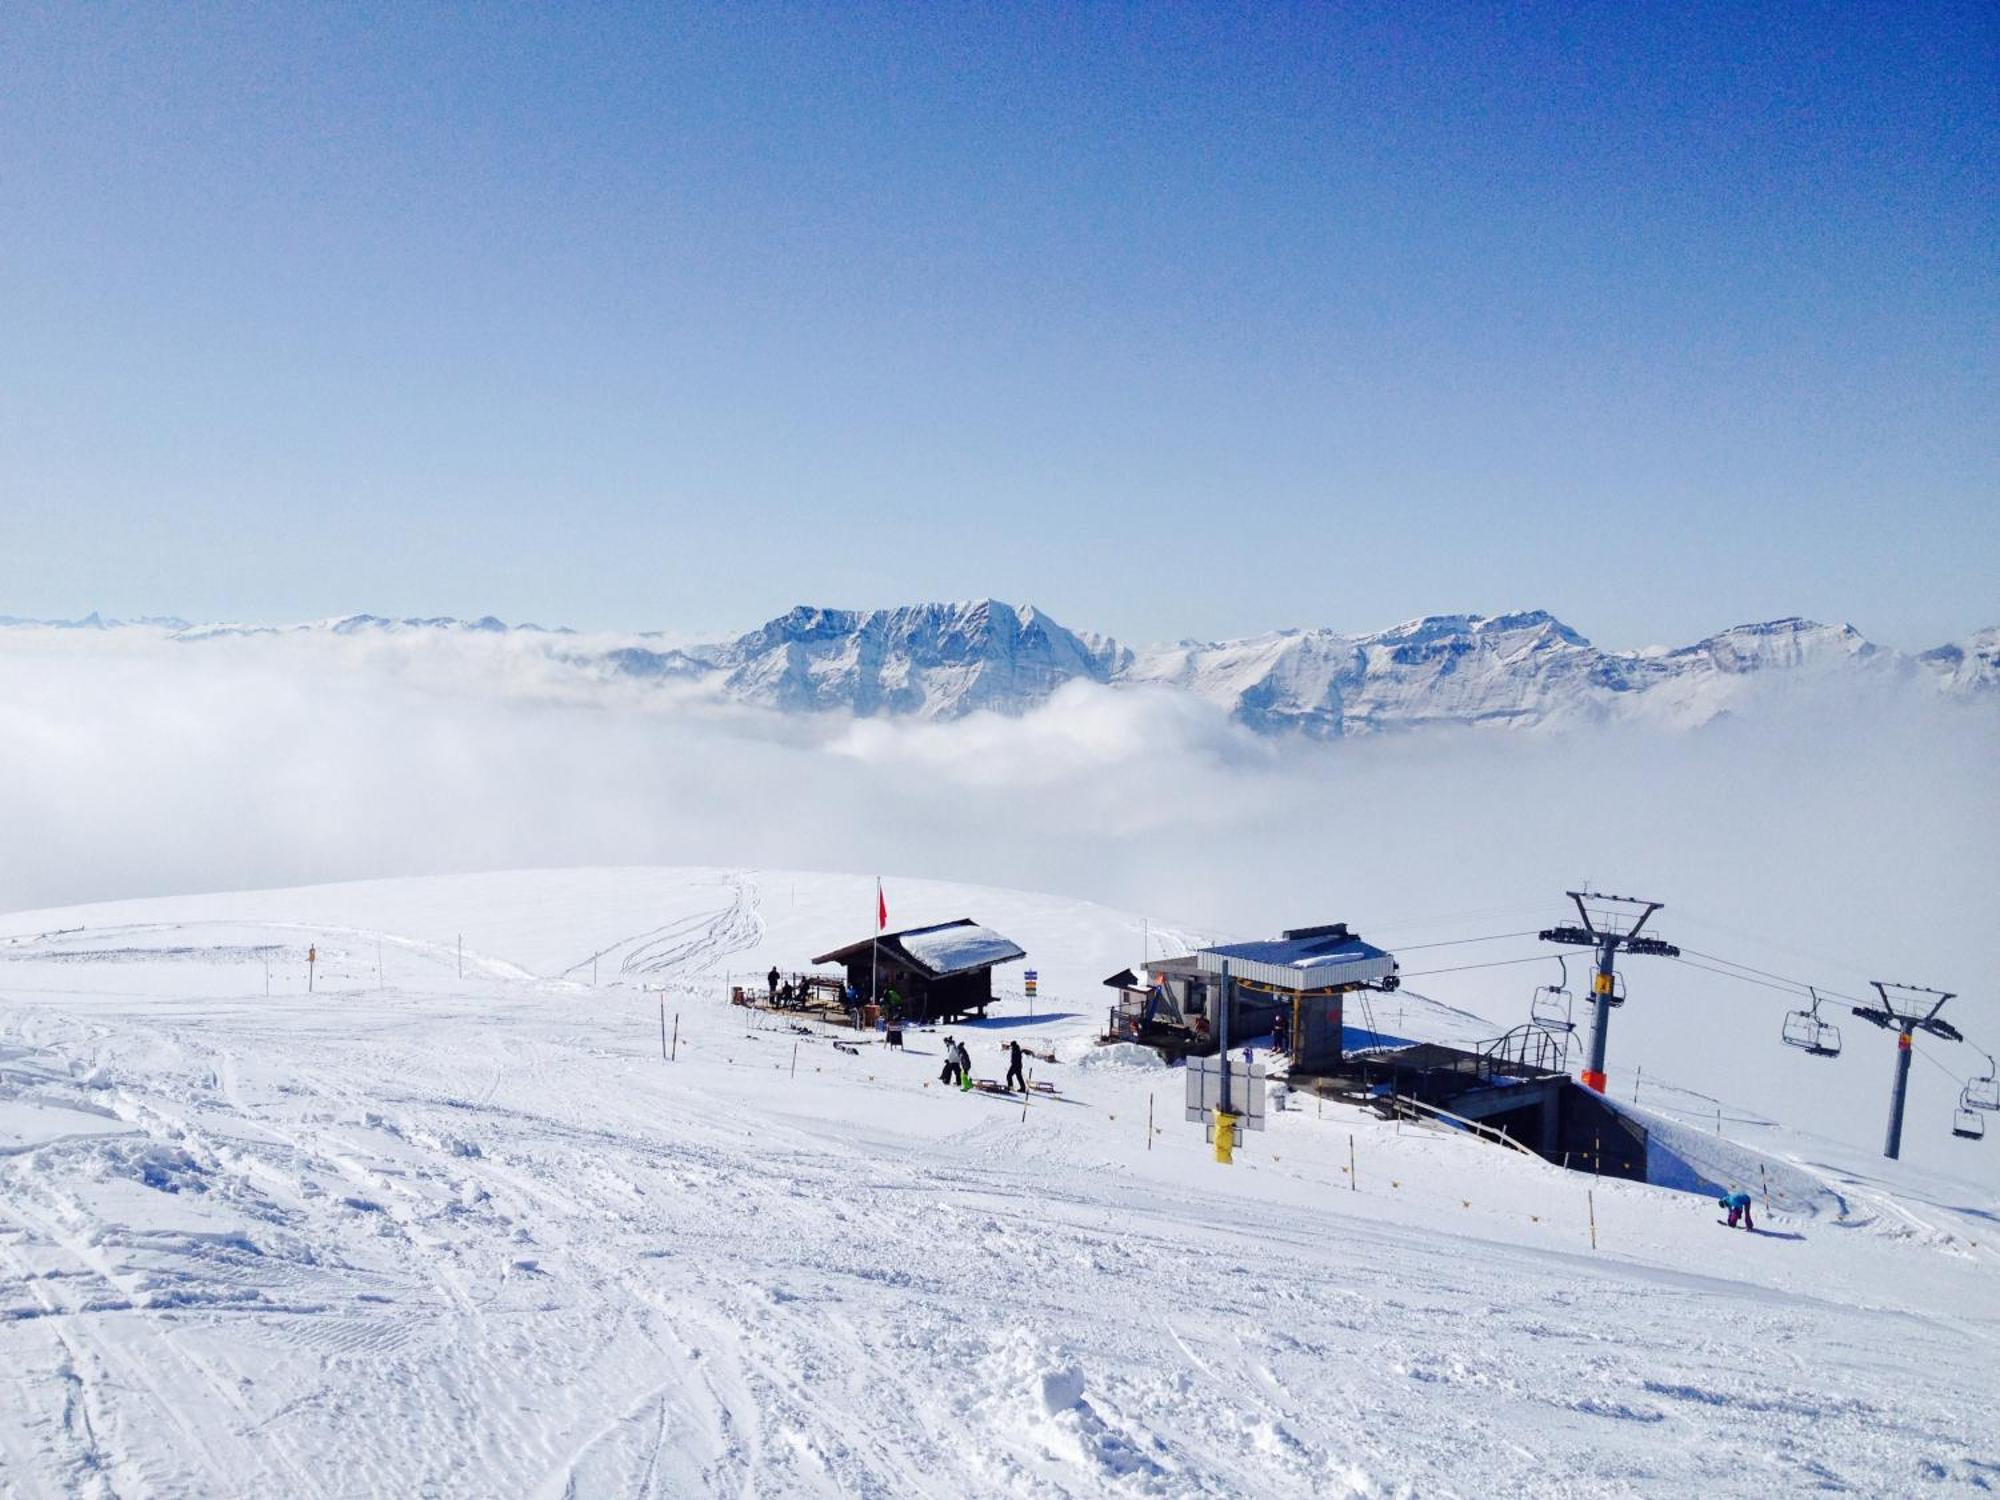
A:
[1610,923]
[1905,1009]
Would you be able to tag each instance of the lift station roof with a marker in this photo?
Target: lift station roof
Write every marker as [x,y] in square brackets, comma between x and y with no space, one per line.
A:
[1305,958]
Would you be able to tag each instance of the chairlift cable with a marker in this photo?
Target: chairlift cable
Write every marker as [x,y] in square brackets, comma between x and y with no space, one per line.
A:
[1789,987]
[1747,968]
[1460,942]
[1498,963]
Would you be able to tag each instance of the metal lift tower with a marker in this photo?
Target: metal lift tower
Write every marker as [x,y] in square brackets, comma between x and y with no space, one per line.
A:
[1609,924]
[1910,1009]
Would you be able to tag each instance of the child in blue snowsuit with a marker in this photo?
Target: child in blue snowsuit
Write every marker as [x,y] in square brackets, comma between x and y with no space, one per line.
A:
[1738,1205]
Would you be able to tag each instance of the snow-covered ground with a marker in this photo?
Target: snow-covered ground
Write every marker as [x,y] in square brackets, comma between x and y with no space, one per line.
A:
[422,1234]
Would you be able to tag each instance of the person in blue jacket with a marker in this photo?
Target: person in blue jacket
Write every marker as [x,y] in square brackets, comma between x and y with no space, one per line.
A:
[1738,1204]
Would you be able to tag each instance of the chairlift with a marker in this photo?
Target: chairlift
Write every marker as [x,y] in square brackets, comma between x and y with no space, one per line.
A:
[1983,1091]
[1551,1007]
[1806,1031]
[1968,1124]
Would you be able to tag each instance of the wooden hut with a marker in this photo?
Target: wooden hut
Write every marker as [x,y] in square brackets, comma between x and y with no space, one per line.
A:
[943,972]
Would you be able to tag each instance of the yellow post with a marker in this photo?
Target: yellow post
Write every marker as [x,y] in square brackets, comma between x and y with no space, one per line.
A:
[1225,1137]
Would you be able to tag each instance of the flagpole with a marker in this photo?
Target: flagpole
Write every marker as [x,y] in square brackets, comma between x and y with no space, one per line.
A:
[875,949]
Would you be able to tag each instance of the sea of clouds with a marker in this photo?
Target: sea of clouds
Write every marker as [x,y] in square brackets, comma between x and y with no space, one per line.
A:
[1839,837]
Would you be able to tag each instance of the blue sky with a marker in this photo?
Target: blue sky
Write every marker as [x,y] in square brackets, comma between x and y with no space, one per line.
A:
[1173,320]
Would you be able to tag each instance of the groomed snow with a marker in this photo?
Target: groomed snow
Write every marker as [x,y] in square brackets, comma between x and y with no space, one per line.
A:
[418,1234]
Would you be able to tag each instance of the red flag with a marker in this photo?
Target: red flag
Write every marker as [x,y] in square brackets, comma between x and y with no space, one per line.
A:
[881,909]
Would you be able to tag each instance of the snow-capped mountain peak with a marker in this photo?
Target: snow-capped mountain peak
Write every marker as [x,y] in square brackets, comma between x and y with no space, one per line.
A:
[1522,669]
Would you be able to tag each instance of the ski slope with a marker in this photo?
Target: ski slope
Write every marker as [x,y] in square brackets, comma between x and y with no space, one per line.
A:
[424,1233]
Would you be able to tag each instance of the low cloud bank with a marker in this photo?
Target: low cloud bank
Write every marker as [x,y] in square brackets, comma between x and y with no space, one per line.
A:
[1839,838]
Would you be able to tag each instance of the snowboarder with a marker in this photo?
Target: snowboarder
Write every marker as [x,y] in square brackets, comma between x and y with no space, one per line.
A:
[964,1068]
[950,1073]
[1014,1074]
[1738,1204]
[771,983]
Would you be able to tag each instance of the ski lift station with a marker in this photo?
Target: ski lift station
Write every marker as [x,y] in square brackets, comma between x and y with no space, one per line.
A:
[943,972]
[1296,981]
[1515,1089]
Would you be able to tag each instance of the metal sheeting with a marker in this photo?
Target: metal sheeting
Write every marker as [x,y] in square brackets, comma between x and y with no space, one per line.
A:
[1301,963]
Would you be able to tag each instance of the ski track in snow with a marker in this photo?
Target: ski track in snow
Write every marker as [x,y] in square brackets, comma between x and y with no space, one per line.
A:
[476,1238]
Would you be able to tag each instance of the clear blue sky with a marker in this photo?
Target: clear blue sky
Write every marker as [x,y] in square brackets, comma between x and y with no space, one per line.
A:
[1173,320]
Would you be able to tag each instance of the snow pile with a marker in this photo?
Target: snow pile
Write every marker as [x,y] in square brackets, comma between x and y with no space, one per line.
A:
[959,946]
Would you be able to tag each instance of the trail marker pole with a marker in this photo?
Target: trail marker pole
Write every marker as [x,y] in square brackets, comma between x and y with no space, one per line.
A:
[675,1055]
[312,960]
[1635,1082]
[1352,1185]
[795,1059]
[1149,1122]
[1590,1198]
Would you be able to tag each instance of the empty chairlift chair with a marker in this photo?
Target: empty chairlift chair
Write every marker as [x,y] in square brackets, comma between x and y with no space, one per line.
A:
[1968,1124]
[1551,1007]
[1983,1091]
[1805,1030]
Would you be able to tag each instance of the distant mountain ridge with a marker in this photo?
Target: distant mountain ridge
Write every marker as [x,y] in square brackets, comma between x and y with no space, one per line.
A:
[1523,670]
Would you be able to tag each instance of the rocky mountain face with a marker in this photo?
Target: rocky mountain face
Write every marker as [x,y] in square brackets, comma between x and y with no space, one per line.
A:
[1526,670]
[1523,670]
[933,660]
[1970,665]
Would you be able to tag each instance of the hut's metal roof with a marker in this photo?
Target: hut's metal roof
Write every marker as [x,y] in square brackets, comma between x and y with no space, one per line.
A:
[940,950]
[1312,958]
[957,947]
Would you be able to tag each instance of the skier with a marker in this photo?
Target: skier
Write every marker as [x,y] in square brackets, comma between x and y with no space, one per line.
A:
[1014,1074]
[1738,1204]
[771,982]
[950,1073]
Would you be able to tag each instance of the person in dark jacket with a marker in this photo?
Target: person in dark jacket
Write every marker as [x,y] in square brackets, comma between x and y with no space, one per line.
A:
[1014,1074]
[771,983]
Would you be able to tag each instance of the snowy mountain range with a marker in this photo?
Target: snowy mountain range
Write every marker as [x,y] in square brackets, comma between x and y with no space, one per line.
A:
[1525,670]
